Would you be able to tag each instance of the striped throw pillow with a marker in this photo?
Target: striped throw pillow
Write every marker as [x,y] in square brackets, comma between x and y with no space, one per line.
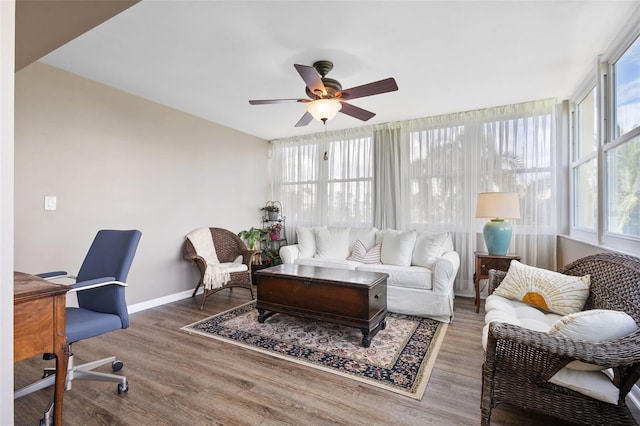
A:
[362,255]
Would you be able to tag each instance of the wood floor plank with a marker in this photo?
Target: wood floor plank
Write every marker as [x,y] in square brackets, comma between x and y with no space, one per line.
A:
[178,378]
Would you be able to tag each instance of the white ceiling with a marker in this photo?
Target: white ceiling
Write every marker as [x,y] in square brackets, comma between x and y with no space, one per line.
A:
[208,58]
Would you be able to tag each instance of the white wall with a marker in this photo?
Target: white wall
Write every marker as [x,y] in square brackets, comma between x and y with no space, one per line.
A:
[7,37]
[114,160]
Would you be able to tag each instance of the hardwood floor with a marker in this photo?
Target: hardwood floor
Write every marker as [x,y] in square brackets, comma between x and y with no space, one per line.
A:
[181,379]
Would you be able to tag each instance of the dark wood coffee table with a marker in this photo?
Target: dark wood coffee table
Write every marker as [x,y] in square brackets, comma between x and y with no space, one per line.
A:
[351,298]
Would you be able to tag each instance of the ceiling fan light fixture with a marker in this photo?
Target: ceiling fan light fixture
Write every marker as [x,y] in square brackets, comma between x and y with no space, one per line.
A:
[324,109]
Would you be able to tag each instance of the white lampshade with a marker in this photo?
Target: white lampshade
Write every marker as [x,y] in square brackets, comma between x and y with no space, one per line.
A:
[324,109]
[502,205]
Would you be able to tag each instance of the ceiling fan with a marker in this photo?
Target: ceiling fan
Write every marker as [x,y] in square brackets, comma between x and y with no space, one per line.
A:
[326,96]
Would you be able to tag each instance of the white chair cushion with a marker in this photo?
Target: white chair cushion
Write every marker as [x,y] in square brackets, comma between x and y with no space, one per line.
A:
[593,325]
[548,290]
[515,312]
[397,247]
[595,384]
[428,248]
[332,243]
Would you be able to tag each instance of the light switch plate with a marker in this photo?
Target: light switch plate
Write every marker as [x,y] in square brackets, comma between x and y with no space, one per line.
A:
[50,202]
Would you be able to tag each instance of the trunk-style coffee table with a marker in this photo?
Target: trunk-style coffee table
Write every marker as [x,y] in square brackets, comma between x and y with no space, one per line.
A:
[351,298]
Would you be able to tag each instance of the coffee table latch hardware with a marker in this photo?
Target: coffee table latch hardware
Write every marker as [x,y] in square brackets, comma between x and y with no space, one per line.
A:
[306,283]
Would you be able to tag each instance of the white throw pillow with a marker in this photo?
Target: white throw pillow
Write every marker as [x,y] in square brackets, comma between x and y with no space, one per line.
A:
[429,247]
[363,255]
[332,243]
[306,241]
[397,247]
[593,325]
[366,235]
[548,290]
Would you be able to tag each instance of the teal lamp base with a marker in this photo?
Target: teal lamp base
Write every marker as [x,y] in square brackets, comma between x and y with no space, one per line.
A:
[497,236]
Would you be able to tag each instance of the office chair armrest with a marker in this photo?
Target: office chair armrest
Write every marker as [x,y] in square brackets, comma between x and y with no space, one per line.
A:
[98,282]
[55,274]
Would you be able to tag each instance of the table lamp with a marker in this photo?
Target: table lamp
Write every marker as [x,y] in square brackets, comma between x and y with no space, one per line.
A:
[498,206]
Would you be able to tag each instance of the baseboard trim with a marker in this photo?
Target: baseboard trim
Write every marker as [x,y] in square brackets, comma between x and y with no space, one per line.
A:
[154,303]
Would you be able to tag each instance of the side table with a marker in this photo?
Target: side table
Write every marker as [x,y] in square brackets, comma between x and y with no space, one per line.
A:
[485,262]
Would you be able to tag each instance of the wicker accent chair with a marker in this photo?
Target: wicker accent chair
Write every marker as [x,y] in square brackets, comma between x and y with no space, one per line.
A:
[228,247]
[519,362]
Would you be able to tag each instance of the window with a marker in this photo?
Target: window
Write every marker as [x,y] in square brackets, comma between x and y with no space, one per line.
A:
[622,158]
[623,189]
[325,181]
[606,196]
[584,165]
[350,182]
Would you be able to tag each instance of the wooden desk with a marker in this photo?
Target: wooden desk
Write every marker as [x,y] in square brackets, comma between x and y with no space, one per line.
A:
[485,262]
[39,327]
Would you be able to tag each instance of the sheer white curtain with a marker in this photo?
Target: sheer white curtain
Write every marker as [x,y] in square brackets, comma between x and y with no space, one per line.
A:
[454,157]
[325,179]
[426,174]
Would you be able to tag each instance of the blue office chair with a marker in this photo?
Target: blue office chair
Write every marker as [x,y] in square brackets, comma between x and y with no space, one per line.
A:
[101,307]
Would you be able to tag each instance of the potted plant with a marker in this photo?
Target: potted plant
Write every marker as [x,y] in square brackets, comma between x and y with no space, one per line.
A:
[272,211]
[274,231]
[271,258]
[254,237]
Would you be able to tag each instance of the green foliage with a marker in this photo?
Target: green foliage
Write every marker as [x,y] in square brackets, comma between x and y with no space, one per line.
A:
[254,237]
[272,257]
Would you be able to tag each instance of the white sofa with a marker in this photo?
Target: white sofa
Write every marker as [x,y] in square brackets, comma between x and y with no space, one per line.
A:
[422,266]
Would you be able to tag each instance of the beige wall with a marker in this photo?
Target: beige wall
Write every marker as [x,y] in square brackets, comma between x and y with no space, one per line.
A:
[570,250]
[114,160]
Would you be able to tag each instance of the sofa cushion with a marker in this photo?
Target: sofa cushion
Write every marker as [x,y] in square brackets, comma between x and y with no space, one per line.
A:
[415,277]
[428,248]
[366,235]
[548,290]
[306,241]
[397,247]
[327,263]
[332,243]
[593,325]
[361,254]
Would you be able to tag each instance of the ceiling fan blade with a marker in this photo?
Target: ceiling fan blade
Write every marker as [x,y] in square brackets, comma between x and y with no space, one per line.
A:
[275,101]
[375,88]
[306,119]
[356,112]
[312,79]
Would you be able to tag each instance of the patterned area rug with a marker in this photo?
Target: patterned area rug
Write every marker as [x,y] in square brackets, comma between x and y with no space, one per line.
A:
[400,358]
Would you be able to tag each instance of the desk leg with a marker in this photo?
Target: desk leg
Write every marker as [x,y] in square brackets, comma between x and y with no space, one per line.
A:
[62,362]
[476,285]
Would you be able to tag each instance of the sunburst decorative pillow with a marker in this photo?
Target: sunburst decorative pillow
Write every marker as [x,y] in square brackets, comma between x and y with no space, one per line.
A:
[548,290]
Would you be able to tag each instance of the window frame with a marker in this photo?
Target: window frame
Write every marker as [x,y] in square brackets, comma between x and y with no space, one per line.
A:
[604,80]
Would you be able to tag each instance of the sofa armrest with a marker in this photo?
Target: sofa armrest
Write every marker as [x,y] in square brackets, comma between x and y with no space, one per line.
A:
[289,254]
[445,271]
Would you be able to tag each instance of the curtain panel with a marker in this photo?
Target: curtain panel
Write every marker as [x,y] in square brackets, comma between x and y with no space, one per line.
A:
[425,174]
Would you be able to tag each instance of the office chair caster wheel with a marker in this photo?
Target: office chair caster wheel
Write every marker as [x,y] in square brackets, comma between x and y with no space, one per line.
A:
[117,365]
[123,387]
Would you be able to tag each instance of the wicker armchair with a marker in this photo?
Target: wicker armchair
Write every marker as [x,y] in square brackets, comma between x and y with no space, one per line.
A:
[519,362]
[228,247]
